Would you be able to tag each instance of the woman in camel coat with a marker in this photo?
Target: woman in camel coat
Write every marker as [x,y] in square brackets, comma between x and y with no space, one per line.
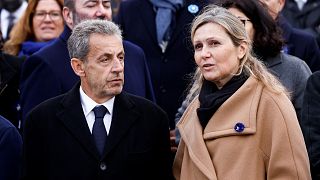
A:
[242,126]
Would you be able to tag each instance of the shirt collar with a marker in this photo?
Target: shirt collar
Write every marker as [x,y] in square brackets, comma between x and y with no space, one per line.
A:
[16,13]
[88,104]
[304,1]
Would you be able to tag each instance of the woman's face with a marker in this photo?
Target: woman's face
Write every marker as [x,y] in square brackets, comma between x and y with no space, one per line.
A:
[47,20]
[215,54]
[247,22]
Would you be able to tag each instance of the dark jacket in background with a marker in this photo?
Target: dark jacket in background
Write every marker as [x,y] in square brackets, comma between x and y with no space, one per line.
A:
[10,151]
[9,87]
[170,69]
[48,73]
[58,143]
[300,44]
[310,122]
[307,19]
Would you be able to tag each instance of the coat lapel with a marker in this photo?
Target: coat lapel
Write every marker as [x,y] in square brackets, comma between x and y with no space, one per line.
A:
[191,133]
[72,116]
[7,72]
[148,16]
[241,107]
[184,18]
[222,124]
[124,116]
[272,63]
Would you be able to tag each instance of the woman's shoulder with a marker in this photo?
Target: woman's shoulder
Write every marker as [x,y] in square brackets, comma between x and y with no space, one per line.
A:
[294,62]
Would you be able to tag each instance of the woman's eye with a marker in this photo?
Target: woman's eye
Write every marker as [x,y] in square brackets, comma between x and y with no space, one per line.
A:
[213,42]
[197,46]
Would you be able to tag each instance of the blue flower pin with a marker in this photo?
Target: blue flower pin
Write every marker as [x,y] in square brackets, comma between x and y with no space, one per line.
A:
[192,8]
[239,127]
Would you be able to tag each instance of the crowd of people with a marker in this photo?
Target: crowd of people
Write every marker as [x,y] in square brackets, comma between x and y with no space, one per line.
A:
[172,89]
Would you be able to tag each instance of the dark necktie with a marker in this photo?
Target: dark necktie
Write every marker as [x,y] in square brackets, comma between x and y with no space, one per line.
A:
[99,130]
[10,24]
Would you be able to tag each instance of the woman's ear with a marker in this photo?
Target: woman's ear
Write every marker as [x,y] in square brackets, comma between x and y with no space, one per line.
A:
[78,67]
[242,49]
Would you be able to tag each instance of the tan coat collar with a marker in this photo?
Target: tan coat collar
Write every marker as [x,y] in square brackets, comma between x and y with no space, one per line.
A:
[240,107]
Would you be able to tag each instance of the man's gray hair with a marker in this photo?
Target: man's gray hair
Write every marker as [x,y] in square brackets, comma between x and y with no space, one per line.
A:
[78,43]
[69,4]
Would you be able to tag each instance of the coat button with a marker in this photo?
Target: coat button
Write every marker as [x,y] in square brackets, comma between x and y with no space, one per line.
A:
[163,89]
[239,127]
[103,166]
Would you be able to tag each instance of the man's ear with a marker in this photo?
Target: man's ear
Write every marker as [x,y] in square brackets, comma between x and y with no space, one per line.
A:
[281,4]
[68,17]
[78,67]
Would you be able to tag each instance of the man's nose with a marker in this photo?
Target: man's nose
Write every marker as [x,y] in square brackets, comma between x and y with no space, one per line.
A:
[101,11]
[118,65]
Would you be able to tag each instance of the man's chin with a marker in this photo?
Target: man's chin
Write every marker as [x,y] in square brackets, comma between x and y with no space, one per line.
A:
[116,90]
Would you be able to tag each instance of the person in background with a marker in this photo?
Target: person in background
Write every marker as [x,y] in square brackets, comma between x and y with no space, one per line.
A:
[242,125]
[48,73]
[96,130]
[267,43]
[305,15]
[310,122]
[10,67]
[160,28]
[115,7]
[11,11]
[41,23]
[10,151]
[297,42]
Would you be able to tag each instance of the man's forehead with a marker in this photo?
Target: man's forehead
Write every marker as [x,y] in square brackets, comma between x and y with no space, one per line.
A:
[89,1]
[105,42]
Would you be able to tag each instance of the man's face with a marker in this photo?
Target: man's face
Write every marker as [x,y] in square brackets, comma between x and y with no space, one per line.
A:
[11,5]
[103,68]
[274,6]
[91,9]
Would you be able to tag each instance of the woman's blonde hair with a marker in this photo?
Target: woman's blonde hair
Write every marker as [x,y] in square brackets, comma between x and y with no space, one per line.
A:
[249,64]
[22,30]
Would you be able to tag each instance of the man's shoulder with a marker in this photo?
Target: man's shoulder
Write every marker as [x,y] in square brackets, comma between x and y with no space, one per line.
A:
[132,3]
[314,78]
[53,51]
[135,99]
[4,124]
[48,107]
[300,34]
[140,102]
[129,46]
[12,61]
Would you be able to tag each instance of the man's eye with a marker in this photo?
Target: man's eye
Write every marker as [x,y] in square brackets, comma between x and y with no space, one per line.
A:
[105,60]
[91,4]
[107,5]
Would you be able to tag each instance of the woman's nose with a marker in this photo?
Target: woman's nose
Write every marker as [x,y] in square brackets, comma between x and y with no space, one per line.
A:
[205,52]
